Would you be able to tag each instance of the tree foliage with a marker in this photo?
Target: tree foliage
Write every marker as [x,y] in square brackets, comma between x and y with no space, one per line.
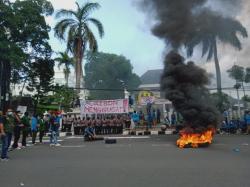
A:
[62,96]
[109,71]
[24,33]
[40,78]
[65,60]
[221,101]
[237,73]
[246,98]
[209,29]
[247,75]
[23,38]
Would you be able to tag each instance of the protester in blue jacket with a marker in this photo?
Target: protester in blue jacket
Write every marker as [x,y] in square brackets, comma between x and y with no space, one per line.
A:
[89,133]
[135,117]
[247,120]
[34,128]
[54,130]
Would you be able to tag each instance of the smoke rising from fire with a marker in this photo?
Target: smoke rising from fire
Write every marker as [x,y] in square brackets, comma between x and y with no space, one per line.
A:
[176,20]
[184,85]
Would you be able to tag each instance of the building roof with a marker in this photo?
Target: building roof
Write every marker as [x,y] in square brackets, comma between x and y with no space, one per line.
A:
[152,77]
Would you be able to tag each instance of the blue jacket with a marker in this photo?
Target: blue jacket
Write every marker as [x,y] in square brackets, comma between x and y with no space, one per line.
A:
[89,131]
[34,123]
[54,125]
[150,118]
[247,119]
[135,117]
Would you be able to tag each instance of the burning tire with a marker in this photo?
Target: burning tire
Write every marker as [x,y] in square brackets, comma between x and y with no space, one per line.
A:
[189,139]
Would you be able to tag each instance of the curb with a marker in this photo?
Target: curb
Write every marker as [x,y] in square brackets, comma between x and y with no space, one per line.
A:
[133,133]
[143,133]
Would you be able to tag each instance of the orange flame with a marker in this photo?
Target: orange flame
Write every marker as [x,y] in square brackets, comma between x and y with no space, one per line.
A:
[195,139]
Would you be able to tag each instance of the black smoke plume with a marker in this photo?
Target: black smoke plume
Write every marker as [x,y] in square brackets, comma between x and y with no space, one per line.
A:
[176,20]
[184,85]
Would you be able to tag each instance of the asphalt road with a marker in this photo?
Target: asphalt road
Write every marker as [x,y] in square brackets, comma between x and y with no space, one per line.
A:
[149,162]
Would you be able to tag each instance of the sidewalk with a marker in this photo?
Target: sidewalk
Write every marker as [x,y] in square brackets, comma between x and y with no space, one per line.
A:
[156,131]
[137,132]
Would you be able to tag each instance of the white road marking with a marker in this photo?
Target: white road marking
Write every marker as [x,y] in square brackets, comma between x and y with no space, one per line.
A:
[162,145]
[114,137]
[74,137]
[73,146]
[45,141]
[245,144]
[128,137]
[118,145]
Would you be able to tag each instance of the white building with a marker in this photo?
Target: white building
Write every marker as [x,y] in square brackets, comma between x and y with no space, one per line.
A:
[150,81]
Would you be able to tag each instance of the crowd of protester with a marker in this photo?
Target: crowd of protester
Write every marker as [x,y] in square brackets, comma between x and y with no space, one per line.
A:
[236,125]
[103,124]
[110,124]
[14,126]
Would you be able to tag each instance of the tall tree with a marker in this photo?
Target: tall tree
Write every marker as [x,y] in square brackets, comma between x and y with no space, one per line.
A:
[210,28]
[40,78]
[23,38]
[238,74]
[247,75]
[79,34]
[108,74]
[65,60]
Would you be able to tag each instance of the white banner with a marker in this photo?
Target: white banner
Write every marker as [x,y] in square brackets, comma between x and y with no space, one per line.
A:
[118,106]
[22,109]
[146,100]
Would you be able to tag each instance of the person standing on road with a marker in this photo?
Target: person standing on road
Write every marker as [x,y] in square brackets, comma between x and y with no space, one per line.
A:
[226,116]
[173,119]
[42,128]
[135,118]
[142,118]
[1,123]
[54,127]
[4,139]
[158,115]
[69,123]
[149,120]
[247,120]
[10,124]
[25,129]
[127,122]
[104,126]
[154,118]
[46,121]
[17,130]
[34,128]
[4,130]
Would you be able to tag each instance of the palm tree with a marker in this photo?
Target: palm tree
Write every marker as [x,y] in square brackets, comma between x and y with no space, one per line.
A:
[211,28]
[79,35]
[68,62]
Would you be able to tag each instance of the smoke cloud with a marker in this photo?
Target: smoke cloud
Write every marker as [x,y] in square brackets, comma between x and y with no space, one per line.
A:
[176,20]
[184,85]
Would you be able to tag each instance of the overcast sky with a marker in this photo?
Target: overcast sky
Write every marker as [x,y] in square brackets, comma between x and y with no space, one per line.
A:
[127,32]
